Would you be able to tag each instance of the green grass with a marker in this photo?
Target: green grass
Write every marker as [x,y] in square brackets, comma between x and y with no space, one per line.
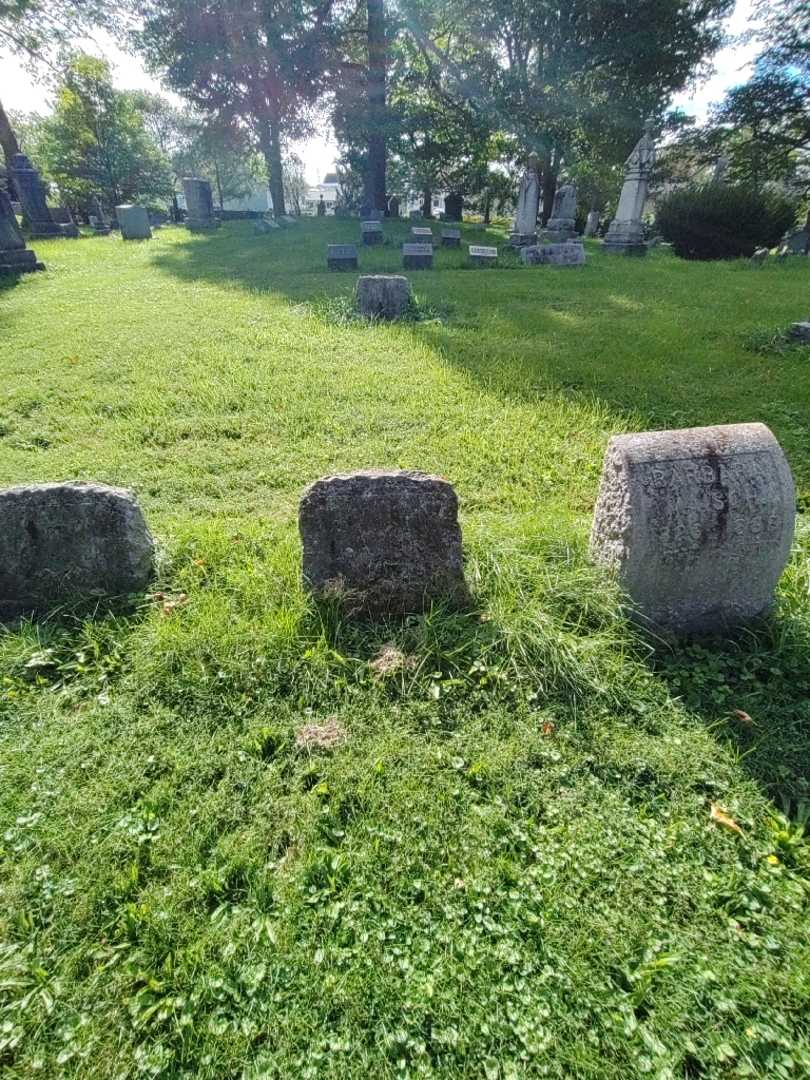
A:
[508,867]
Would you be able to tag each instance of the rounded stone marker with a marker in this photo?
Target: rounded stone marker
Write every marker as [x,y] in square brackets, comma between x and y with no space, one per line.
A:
[384,542]
[383,296]
[697,524]
[60,542]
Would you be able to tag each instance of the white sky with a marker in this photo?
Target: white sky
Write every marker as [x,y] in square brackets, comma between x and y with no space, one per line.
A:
[21,91]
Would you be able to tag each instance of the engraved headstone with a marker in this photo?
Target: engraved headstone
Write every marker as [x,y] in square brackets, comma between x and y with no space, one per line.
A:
[33,198]
[60,542]
[15,257]
[451,238]
[133,222]
[97,220]
[372,233]
[697,524]
[799,331]
[421,234]
[199,205]
[570,253]
[382,542]
[417,256]
[562,223]
[341,256]
[592,223]
[383,296]
[625,235]
[453,206]
[483,256]
[64,219]
[525,227]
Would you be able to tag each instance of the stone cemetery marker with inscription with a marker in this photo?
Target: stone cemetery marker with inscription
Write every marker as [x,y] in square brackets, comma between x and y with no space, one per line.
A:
[372,233]
[570,253]
[383,296]
[625,235]
[421,235]
[60,542]
[133,222]
[451,238]
[33,199]
[64,219]
[562,223]
[383,542]
[417,256]
[483,256]
[199,205]
[15,257]
[524,230]
[592,223]
[696,524]
[97,219]
[341,256]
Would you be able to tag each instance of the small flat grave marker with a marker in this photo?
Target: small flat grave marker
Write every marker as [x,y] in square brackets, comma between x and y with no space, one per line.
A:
[341,256]
[421,234]
[483,256]
[451,238]
[417,256]
[372,233]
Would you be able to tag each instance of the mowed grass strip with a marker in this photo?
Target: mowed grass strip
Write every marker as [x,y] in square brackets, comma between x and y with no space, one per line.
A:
[540,845]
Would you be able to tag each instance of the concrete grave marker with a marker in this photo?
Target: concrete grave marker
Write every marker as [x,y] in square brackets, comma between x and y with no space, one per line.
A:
[33,199]
[562,223]
[341,256]
[799,331]
[383,542]
[60,542]
[15,257]
[383,296]
[570,253]
[199,205]
[133,222]
[417,256]
[64,219]
[451,238]
[372,233]
[697,524]
[421,235]
[483,256]
[625,235]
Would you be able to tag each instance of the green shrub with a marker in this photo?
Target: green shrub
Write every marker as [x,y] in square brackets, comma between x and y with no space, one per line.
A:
[715,221]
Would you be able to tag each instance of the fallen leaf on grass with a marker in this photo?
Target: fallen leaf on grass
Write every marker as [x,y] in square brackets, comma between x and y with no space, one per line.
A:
[744,718]
[548,728]
[324,736]
[719,816]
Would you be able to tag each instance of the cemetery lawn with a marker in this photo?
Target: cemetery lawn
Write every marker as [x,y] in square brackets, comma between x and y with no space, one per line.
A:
[540,845]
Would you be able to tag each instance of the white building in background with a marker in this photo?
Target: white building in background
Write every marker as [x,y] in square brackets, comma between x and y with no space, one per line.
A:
[329,190]
[414,202]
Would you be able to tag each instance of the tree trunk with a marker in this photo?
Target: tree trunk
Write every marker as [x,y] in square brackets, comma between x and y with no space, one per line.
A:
[219,185]
[271,152]
[8,140]
[487,208]
[375,175]
[427,203]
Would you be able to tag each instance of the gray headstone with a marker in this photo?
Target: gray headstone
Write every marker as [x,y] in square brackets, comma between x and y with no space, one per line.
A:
[386,542]
[451,238]
[33,197]
[483,256]
[592,223]
[133,222]
[60,542]
[625,236]
[199,205]
[421,234]
[15,257]
[697,524]
[383,296]
[570,253]
[799,331]
[341,256]
[372,233]
[798,242]
[393,207]
[759,258]
[562,223]
[417,256]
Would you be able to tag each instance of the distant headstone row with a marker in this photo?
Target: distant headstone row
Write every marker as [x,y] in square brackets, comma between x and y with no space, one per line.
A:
[696,525]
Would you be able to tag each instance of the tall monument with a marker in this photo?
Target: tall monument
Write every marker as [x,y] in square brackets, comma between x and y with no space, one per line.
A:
[525,230]
[15,257]
[626,233]
[32,196]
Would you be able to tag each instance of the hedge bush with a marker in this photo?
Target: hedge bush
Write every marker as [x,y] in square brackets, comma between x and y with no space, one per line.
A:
[716,221]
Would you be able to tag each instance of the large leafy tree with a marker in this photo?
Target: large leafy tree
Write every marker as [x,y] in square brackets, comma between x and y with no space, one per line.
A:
[264,63]
[96,143]
[563,78]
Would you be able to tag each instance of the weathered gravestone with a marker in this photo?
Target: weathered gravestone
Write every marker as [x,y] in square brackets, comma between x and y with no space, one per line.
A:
[60,542]
[799,331]
[625,236]
[33,199]
[759,258]
[592,223]
[524,230]
[562,223]
[383,296]
[384,542]
[421,234]
[393,207]
[570,253]
[341,256]
[97,219]
[697,524]
[417,256]
[372,233]
[199,205]
[451,238]
[133,222]
[15,257]
[454,206]
[798,242]
[482,256]
[64,219]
